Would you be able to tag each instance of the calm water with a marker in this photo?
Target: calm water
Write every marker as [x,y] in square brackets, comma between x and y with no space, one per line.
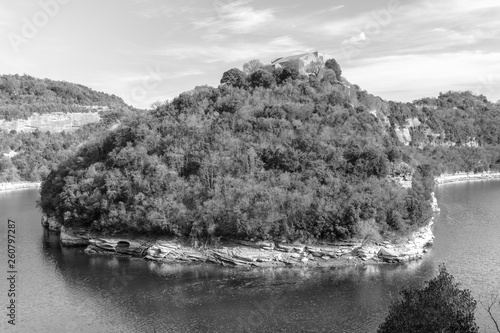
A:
[63,290]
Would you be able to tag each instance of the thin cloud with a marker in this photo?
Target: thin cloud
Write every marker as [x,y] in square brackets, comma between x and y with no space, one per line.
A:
[336,8]
[161,75]
[418,27]
[150,9]
[167,11]
[356,39]
[154,12]
[466,6]
[234,52]
[234,17]
[427,74]
[345,26]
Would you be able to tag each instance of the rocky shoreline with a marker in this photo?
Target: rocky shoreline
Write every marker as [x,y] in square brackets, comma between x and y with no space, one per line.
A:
[18,186]
[251,254]
[463,176]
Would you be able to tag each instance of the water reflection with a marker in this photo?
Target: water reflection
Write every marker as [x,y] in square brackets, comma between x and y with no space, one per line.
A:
[179,297]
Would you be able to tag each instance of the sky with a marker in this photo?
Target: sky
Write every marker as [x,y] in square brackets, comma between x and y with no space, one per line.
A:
[147,51]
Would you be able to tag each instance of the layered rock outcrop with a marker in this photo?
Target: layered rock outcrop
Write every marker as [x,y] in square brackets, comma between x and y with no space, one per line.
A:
[244,253]
[409,249]
[74,237]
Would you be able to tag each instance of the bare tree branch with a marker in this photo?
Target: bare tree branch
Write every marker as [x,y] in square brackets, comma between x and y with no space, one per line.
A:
[488,306]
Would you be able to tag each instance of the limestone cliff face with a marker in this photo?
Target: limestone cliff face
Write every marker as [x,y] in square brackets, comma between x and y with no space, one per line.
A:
[53,122]
[403,132]
[430,138]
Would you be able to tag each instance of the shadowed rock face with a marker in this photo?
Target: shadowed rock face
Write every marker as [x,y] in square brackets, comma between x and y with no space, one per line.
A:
[51,223]
[53,122]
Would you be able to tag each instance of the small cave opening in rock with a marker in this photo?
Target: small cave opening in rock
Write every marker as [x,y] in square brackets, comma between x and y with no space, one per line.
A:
[123,244]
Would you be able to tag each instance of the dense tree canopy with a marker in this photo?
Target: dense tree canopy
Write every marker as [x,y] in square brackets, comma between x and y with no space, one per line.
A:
[333,65]
[234,77]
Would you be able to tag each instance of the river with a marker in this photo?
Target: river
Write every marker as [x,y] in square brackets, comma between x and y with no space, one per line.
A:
[63,290]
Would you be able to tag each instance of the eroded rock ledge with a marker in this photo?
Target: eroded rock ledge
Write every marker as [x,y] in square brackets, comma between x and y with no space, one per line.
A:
[244,253]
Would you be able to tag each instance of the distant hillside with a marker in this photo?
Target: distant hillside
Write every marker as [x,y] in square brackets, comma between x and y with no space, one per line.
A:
[30,155]
[451,119]
[22,96]
[43,122]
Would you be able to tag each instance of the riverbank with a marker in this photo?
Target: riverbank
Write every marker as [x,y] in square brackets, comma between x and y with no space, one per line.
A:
[463,176]
[18,186]
[251,254]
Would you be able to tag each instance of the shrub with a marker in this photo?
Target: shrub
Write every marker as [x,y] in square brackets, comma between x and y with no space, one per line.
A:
[439,307]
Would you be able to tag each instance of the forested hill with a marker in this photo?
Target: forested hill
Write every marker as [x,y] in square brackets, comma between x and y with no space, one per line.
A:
[67,115]
[457,131]
[453,118]
[21,96]
[272,154]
